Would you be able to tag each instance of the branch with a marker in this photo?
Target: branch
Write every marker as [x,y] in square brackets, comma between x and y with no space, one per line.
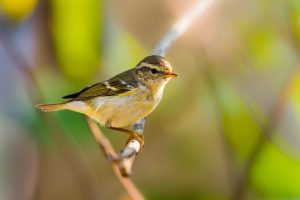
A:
[111,155]
[180,26]
[267,131]
[217,102]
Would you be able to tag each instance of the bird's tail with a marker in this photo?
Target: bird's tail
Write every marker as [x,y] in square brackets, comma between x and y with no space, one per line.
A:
[51,107]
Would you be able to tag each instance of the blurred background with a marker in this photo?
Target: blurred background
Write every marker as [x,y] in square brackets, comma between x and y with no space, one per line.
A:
[227,128]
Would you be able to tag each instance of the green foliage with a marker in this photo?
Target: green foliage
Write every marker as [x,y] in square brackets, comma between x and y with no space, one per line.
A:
[294,14]
[275,174]
[295,90]
[238,121]
[76,30]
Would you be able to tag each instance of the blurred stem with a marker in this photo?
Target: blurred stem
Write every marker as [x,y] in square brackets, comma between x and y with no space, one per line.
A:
[180,26]
[218,110]
[274,117]
[294,40]
[21,64]
[58,138]
[267,131]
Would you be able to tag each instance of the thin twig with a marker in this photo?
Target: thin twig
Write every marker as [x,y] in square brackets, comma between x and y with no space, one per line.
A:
[218,111]
[110,154]
[267,131]
[180,26]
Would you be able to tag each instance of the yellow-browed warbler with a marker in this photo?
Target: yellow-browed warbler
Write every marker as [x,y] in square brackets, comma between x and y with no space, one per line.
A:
[123,99]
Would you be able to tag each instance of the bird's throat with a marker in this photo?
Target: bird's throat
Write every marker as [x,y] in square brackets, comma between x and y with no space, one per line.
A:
[157,90]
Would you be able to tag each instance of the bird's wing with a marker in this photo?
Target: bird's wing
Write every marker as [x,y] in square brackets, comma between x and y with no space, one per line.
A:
[111,87]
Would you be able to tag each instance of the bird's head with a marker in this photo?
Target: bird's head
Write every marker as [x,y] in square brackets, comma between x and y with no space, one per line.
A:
[154,70]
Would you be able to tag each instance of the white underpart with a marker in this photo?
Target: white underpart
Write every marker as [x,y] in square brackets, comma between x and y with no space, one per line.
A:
[76,104]
[106,83]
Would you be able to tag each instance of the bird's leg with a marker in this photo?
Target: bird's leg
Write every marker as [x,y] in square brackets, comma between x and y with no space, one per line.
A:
[138,128]
[132,134]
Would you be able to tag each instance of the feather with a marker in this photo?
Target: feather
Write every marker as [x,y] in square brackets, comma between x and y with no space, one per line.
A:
[51,107]
[117,85]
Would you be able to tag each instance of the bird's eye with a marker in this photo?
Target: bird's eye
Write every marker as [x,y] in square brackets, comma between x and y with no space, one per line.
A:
[153,71]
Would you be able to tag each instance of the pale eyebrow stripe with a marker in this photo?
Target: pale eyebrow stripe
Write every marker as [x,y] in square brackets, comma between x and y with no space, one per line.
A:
[143,64]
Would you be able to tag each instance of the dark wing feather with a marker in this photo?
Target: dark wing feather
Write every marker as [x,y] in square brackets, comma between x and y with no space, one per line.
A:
[115,86]
[71,96]
[77,94]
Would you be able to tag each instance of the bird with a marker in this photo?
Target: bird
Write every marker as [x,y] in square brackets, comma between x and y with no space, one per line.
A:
[123,99]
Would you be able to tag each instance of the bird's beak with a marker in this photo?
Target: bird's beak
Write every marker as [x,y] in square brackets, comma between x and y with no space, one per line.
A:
[170,75]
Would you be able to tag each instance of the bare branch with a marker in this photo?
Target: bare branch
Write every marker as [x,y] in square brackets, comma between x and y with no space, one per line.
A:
[180,26]
[212,85]
[111,156]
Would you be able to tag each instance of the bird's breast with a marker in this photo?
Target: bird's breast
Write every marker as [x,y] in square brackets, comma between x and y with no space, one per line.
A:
[122,111]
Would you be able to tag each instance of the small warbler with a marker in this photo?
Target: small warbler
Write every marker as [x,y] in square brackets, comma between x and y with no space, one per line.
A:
[123,99]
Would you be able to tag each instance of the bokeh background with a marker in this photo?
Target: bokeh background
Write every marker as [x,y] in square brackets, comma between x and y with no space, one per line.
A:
[227,128]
